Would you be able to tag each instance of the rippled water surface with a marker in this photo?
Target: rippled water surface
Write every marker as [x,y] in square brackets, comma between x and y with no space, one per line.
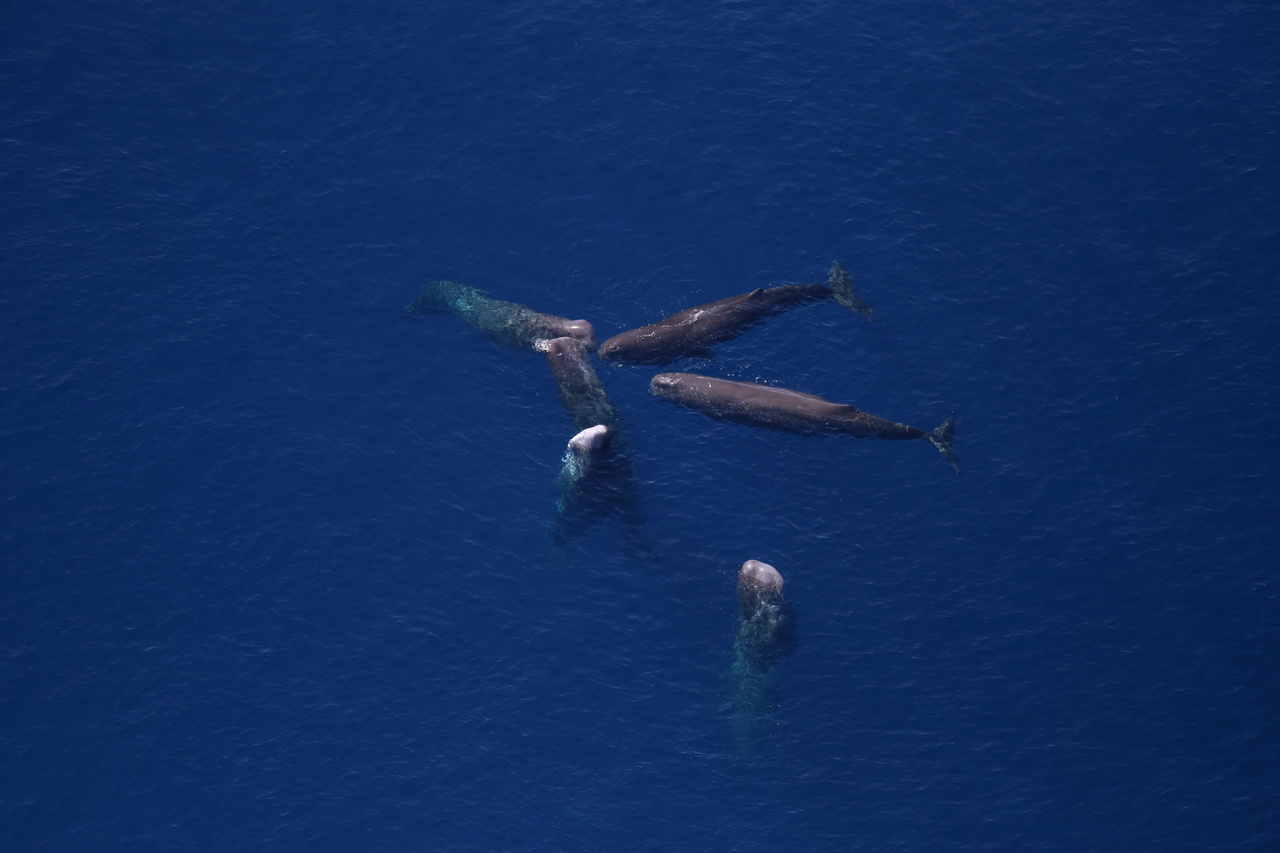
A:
[277,566]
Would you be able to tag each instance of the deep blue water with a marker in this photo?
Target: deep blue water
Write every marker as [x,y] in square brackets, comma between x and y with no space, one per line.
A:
[276,566]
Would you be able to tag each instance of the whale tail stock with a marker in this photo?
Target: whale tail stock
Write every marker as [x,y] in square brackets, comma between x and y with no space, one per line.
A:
[842,289]
[941,438]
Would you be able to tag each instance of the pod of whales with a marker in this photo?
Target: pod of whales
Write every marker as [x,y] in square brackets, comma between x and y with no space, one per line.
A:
[789,411]
[695,330]
[596,481]
[507,323]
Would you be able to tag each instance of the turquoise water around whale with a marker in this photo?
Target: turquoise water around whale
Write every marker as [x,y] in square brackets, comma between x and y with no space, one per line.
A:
[276,561]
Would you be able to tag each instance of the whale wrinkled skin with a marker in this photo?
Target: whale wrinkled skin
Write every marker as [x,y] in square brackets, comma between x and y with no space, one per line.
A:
[790,411]
[581,391]
[507,323]
[695,330]
[766,634]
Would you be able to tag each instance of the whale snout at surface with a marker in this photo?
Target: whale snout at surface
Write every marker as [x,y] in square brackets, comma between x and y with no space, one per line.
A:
[606,349]
[761,576]
[759,584]
[610,349]
[766,634]
[590,441]
[566,345]
[582,331]
[663,383]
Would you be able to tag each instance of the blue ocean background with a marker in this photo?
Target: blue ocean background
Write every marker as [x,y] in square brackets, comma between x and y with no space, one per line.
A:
[276,565]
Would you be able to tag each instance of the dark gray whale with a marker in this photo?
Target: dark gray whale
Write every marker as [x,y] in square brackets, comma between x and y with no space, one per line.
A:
[594,483]
[505,322]
[581,391]
[789,411]
[766,629]
[695,330]
[585,452]
[766,633]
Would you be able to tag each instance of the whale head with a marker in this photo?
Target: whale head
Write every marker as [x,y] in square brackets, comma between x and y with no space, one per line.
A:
[761,576]
[582,330]
[591,441]
[665,384]
[759,585]
[563,346]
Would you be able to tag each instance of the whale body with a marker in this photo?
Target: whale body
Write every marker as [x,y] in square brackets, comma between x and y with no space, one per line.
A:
[695,330]
[766,625]
[507,323]
[581,392]
[790,411]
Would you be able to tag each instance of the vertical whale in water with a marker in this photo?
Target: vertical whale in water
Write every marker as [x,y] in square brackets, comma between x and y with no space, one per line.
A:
[766,634]
[505,322]
[596,480]
[592,485]
[585,454]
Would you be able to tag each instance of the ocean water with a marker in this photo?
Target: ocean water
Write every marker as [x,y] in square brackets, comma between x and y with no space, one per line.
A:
[276,564]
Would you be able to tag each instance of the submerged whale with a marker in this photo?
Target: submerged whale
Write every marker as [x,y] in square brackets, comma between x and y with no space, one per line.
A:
[505,322]
[596,483]
[585,453]
[695,330]
[790,411]
[766,624]
[766,633]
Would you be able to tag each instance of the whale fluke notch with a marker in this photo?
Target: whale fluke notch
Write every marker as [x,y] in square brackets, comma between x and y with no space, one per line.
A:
[941,438]
[842,289]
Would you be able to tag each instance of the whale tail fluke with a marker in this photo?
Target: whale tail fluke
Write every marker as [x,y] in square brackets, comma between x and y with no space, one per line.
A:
[941,438]
[842,288]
